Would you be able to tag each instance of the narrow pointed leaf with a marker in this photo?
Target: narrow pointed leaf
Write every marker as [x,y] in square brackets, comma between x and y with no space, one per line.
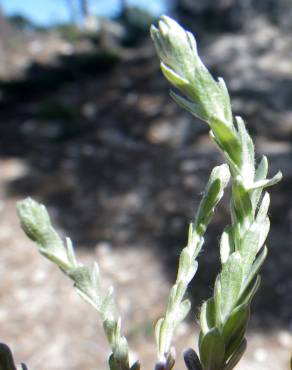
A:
[260,174]
[230,280]
[212,350]
[269,182]
[183,311]
[249,293]
[235,327]
[249,247]
[214,191]
[208,315]
[226,244]
[193,108]
[174,78]
[263,208]
[255,268]
[226,99]
[227,138]
[242,202]
[236,356]
[247,151]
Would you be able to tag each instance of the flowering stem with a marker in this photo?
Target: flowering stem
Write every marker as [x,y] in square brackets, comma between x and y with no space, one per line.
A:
[36,223]
[224,316]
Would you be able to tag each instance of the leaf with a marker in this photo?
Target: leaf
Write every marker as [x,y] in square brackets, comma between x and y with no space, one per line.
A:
[35,222]
[252,242]
[212,350]
[269,182]
[208,315]
[194,108]
[255,268]
[263,209]
[209,93]
[184,264]
[227,138]
[85,285]
[248,294]
[230,281]
[260,174]
[157,330]
[219,179]
[236,356]
[235,327]
[108,305]
[226,99]
[120,352]
[242,203]
[247,152]
[70,253]
[110,325]
[178,81]
[217,300]
[183,310]
[112,363]
[226,244]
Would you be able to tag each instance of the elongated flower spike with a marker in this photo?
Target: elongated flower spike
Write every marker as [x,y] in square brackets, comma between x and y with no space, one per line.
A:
[224,317]
[36,223]
[178,307]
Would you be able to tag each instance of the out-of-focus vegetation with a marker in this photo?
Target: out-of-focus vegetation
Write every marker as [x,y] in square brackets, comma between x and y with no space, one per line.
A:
[234,14]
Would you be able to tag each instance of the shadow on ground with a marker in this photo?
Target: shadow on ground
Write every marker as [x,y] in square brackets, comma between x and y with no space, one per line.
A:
[115,160]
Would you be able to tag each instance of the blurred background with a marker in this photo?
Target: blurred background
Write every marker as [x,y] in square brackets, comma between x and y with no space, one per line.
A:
[88,128]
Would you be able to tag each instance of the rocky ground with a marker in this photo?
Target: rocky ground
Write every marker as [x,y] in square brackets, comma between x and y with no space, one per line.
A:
[121,169]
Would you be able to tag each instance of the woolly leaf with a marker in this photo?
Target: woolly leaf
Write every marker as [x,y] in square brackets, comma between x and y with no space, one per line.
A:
[36,223]
[260,174]
[234,328]
[183,310]
[255,268]
[226,136]
[230,281]
[252,242]
[242,203]
[226,99]
[214,191]
[177,80]
[208,315]
[193,108]
[249,293]
[269,182]
[226,247]
[247,152]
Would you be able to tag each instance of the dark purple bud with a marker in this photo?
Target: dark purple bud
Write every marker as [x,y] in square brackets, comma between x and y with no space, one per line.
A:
[192,360]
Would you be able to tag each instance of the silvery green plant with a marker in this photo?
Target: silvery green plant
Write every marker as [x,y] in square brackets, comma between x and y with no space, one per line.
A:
[36,223]
[223,317]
